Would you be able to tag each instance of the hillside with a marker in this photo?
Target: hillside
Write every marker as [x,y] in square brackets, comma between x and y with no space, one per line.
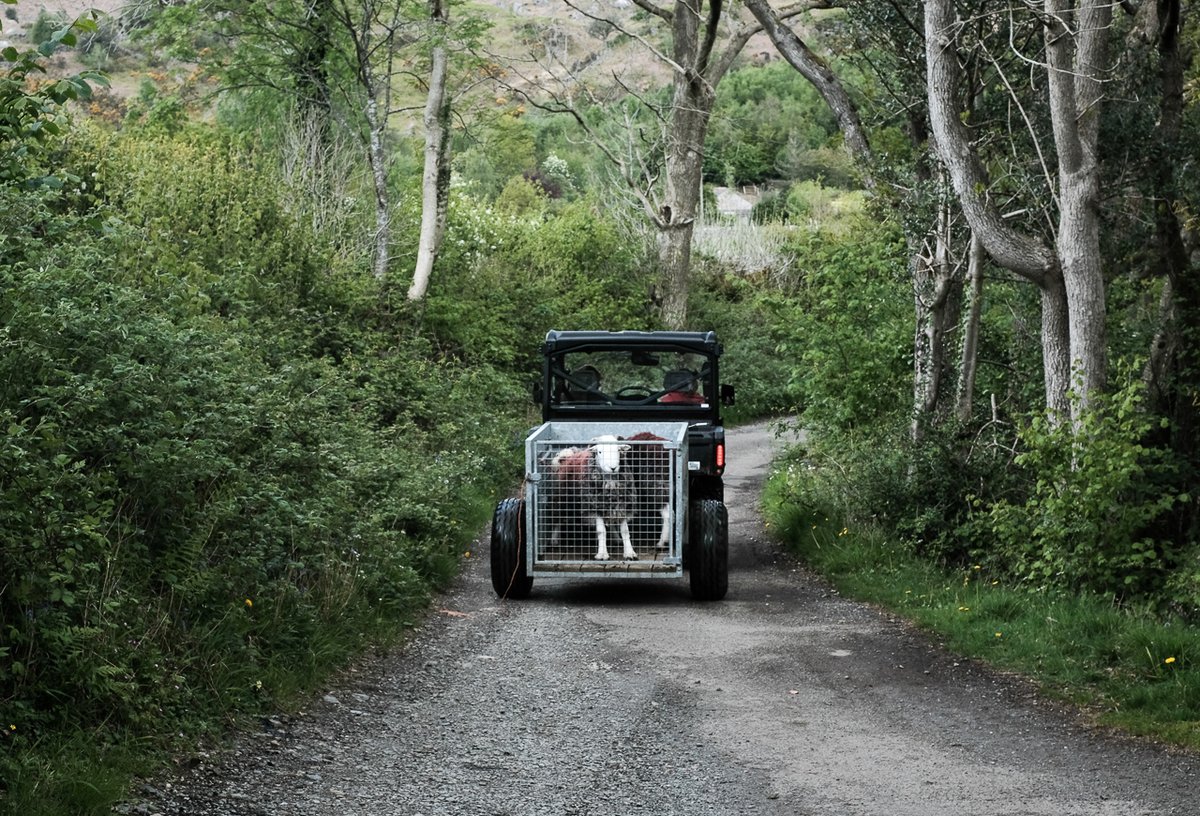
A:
[536,41]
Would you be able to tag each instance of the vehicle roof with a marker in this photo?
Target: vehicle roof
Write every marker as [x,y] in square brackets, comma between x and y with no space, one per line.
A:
[559,341]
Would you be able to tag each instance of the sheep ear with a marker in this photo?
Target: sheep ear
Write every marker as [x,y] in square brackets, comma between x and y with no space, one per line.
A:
[626,447]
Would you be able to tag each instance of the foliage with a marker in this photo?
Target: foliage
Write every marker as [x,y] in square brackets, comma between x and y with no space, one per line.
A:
[225,470]
[1098,491]
[764,120]
[846,326]
[521,197]
[504,280]
[811,202]
[750,325]
[826,335]
[505,147]
[32,113]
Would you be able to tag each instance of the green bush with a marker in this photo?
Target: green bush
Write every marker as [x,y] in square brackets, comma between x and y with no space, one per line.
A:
[751,325]
[197,209]
[226,466]
[1089,522]
[848,330]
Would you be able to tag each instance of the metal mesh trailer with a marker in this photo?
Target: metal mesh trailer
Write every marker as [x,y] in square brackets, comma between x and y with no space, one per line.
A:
[564,504]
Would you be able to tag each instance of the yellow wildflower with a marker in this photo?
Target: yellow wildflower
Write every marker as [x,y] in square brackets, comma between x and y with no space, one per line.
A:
[249,603]
[1169,660]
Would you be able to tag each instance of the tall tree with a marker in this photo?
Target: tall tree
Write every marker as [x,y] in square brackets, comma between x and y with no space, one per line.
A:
[435,181]
[1173,370]
[665,172]
[1069,271]
[374,29]
[936,277]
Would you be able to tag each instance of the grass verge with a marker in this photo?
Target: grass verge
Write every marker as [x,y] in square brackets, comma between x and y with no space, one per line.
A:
[1123,668]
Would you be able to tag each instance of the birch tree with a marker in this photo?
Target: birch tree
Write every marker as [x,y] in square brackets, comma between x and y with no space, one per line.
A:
[435,180]
[374,29]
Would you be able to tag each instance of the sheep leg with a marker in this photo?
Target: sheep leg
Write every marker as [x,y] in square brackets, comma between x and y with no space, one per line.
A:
[664,538]
[601,540]
[629,553]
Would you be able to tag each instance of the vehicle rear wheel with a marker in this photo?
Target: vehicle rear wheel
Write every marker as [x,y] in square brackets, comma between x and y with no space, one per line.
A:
[509,577]
[708,545]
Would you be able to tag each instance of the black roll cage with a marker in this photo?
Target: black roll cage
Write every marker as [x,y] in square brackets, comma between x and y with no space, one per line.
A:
[559,343]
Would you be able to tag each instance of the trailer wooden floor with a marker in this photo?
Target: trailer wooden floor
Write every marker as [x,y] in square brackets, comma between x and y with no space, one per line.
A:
[580,559]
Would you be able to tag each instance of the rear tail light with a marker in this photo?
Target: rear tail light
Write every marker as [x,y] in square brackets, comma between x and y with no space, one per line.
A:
[720,457]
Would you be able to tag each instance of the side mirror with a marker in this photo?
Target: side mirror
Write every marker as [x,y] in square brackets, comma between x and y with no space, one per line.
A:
[538,393]
[726,394]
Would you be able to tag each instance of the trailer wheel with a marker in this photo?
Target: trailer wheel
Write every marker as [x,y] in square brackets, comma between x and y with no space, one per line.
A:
[708,561]
[509,577]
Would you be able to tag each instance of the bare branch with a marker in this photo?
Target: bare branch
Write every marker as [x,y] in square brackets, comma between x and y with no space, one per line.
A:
[632,34]
[657,11]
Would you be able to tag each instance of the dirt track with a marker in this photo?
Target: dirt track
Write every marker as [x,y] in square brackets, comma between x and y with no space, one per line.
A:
[617,699]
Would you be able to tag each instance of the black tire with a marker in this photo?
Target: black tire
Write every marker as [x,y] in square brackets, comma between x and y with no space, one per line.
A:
[708,550]
[509,577]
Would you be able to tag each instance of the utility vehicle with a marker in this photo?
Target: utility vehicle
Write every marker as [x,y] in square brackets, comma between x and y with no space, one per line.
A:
[655,396]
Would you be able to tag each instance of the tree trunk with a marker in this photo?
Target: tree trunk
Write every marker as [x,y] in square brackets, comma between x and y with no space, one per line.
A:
[674,257]
[937,290]
[1056,357]
[383,211]
[969,358]
[1077,56]
[691,107]
[685,167]
[1174,364]
[435,182]
[310,66]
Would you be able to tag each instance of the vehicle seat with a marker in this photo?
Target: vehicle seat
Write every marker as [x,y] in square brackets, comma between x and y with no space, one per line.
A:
[680,379]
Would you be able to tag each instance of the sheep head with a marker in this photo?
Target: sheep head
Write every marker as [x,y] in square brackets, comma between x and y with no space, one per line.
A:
[607,451]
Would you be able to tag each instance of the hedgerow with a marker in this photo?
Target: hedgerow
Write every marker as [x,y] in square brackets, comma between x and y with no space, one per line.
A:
[223,472]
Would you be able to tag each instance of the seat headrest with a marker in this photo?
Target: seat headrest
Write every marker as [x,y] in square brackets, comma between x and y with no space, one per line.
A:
[679,379]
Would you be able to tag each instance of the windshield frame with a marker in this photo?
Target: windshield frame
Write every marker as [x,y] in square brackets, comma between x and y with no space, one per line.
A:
[634,370]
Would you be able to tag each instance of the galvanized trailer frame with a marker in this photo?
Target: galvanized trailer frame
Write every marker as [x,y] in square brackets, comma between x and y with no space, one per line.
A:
[553,552]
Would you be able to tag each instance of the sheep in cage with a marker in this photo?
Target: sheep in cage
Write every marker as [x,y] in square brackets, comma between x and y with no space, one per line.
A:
[591,478]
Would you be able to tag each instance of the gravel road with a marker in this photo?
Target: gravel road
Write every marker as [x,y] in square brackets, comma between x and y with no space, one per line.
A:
[618,699]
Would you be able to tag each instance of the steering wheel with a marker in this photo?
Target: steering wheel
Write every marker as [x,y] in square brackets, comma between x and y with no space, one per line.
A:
[630,392]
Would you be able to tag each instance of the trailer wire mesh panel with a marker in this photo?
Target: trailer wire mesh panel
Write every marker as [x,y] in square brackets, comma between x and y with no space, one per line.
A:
[594,488]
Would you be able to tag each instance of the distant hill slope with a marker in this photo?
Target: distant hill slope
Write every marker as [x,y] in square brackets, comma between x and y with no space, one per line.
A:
[27,11]
[526,35]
